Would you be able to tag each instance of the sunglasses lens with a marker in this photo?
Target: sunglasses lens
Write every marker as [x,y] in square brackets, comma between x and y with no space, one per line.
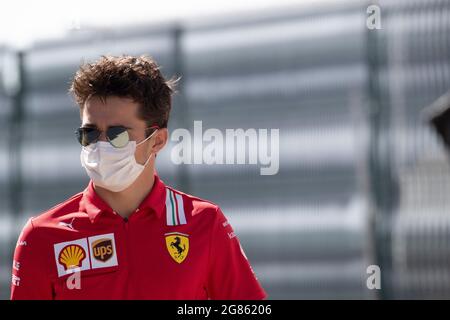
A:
[118,136]
[86,136]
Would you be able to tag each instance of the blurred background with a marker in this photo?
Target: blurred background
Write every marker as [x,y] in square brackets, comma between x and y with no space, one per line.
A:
[363,180]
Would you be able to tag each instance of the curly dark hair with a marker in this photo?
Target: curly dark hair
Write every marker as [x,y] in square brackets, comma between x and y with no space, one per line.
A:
[138,78]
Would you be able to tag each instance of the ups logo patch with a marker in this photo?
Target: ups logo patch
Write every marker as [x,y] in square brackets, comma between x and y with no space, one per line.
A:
[102,249]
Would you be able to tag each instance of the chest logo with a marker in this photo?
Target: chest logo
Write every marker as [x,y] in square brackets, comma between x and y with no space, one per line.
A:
[72,256]
[103,249]
[177,245]
[85,254]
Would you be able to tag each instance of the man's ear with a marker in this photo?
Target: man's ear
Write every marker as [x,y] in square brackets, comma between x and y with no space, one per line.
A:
[161,137]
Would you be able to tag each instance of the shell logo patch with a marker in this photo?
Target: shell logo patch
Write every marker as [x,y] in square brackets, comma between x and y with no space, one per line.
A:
[177,245]
[72,256]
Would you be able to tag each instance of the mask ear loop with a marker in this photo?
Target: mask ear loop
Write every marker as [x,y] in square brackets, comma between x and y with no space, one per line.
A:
[146,162]
[147,137]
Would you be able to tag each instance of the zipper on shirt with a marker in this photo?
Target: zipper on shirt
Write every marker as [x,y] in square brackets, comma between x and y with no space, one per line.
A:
[126,226]
[127,248]
[125,223]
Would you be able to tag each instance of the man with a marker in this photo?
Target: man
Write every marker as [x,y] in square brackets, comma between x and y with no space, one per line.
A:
[128,235]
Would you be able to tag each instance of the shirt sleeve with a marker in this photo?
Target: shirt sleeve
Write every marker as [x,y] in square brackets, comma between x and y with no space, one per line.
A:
[230,275]
[29,279]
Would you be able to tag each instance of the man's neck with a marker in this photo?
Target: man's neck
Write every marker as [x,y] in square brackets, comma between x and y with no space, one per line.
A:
[127,201]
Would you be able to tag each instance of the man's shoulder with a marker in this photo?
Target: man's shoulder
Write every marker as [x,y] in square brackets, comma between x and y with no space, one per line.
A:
[58,213]
[194,206]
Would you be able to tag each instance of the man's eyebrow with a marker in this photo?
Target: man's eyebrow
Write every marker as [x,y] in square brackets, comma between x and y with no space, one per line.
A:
[90,125]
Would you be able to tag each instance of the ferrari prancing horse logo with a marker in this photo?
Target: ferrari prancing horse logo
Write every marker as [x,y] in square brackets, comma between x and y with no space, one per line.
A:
[177,245]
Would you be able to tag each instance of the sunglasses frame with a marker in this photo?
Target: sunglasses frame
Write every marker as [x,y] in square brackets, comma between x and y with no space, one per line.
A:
[79,134]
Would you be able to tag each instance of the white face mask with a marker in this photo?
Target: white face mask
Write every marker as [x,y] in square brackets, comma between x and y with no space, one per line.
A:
[112,168]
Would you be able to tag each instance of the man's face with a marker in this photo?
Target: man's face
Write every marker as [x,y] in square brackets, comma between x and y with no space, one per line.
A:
[117,111]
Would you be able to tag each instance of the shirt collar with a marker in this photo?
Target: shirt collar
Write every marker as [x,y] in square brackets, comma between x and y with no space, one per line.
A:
[93,204]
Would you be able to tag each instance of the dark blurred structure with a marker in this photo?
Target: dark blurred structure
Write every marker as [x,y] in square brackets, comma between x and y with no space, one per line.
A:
[438,115]
[411,175]
[362,179]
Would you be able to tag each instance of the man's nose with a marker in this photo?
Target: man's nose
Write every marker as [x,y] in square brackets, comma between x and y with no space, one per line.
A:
[102,136]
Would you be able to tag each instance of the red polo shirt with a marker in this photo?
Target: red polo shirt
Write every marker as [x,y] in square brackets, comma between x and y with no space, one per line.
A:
[174,246]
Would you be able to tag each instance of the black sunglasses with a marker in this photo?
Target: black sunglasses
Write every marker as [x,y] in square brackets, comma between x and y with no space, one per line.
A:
[117,136]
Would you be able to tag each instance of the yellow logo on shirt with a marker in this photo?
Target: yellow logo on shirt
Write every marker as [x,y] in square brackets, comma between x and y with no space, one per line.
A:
[71,256]
[177,245]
